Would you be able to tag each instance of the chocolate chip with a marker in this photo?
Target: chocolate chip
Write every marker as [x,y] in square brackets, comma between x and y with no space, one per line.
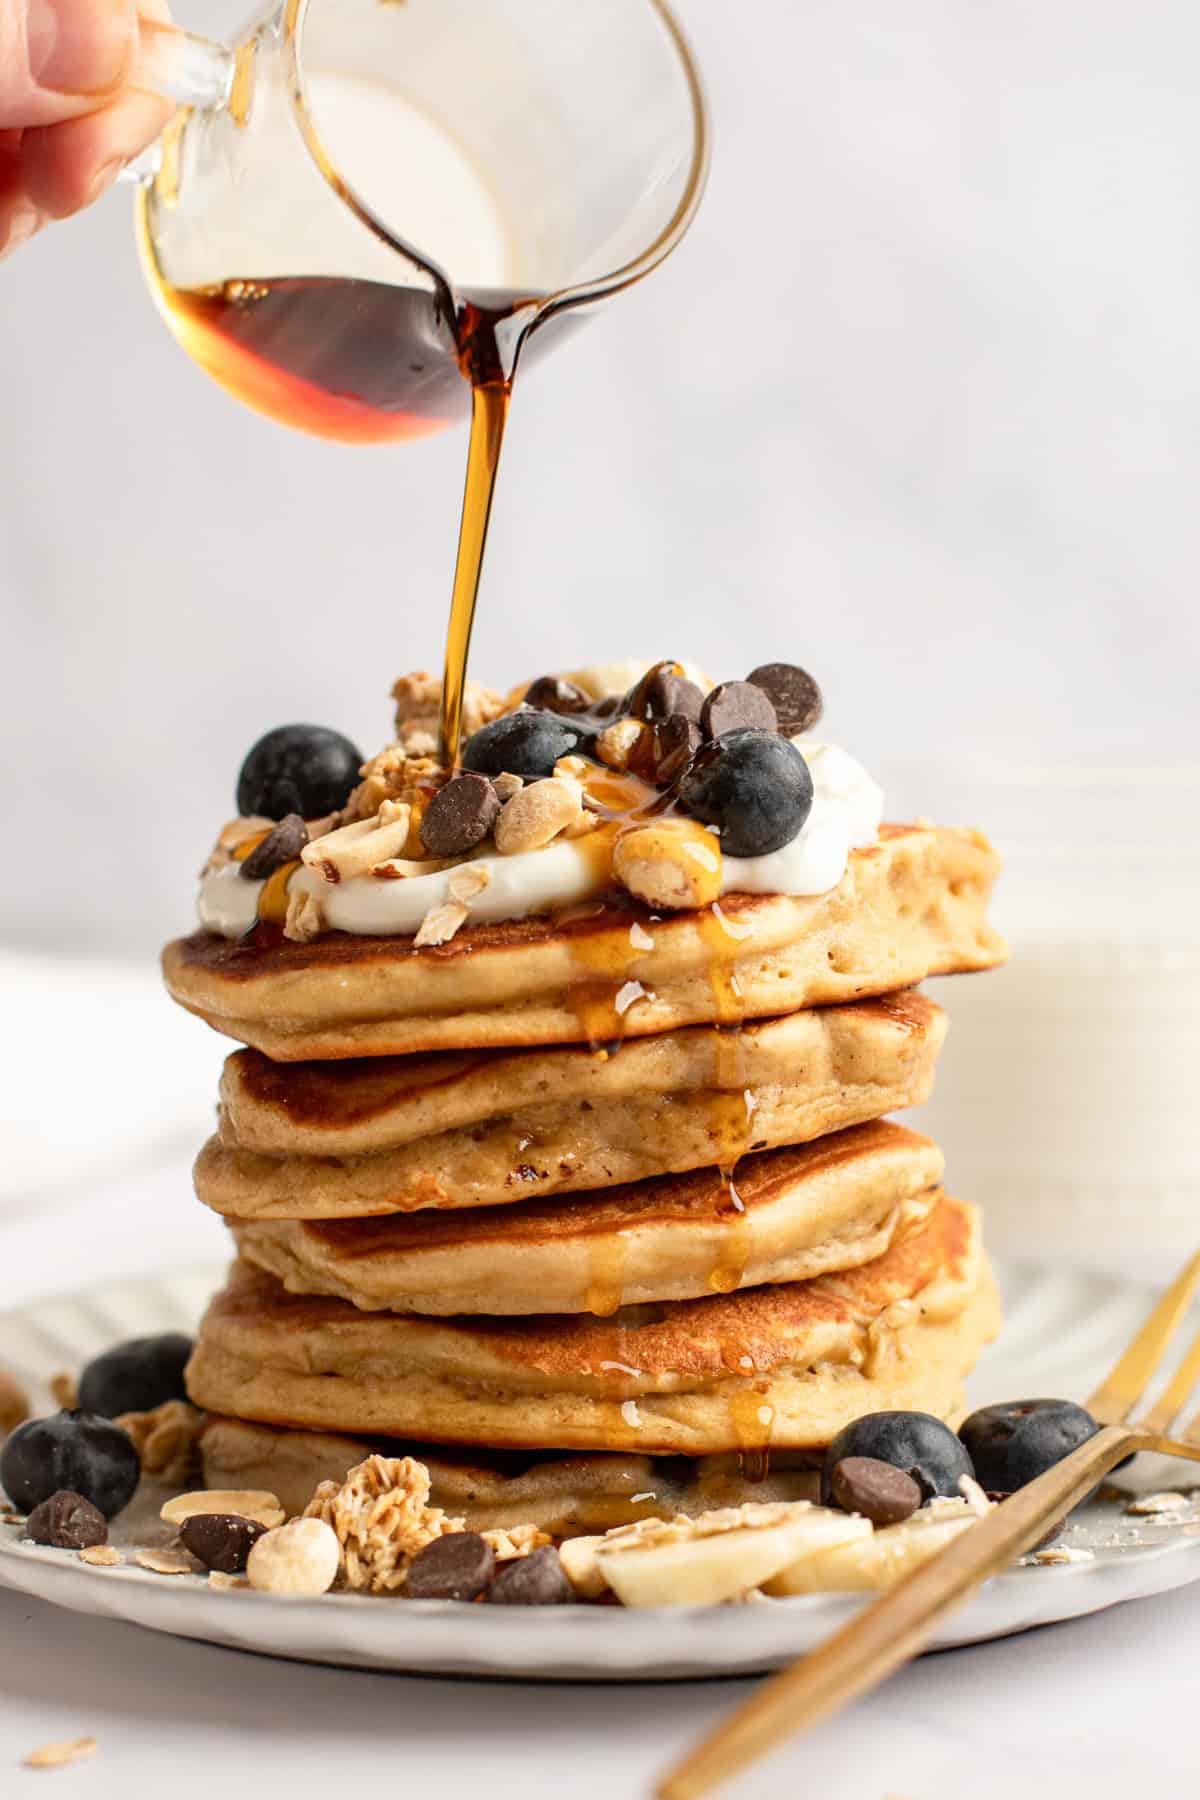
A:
[455,1567]
[792,692]
[67,1521]
[661,692]
[460,815]
[736,706]
[553,693]
[221,1541]
[282,845]
[877,1490]
[676,741]
[533,1580]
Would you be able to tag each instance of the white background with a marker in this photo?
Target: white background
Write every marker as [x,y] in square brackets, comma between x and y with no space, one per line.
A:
[917,404]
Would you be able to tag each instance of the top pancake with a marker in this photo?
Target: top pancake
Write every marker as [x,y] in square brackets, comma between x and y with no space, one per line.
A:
[909,906]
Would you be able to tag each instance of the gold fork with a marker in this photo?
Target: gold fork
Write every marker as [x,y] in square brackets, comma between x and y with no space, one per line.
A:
[898,1625]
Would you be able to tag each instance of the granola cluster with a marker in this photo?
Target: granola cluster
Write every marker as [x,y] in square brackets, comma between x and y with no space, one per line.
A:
[381,1518]
[418,700]
[167,1440]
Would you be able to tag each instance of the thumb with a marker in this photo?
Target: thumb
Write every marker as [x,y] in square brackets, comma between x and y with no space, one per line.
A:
[61,58]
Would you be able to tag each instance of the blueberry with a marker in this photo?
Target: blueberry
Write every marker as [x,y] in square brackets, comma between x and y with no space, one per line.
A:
[305,769]
[76,1450]
[754,787]
[915,1442]
[1013,1443]
[523,743]
[136,1376]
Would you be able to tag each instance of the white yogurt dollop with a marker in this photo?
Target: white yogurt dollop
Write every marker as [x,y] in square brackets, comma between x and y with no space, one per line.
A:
[846,811]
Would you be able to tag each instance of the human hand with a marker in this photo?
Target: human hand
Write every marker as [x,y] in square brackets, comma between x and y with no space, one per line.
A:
[68,116]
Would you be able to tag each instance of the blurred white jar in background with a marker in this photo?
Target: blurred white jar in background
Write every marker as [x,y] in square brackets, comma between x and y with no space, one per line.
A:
[1067,1095]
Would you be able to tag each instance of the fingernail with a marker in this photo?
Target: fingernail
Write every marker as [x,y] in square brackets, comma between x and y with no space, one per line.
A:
[21,228]
[79,46]
[104,177]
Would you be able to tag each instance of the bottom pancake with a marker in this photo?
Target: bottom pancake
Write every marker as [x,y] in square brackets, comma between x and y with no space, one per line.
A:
[567,1496]
[773,1367]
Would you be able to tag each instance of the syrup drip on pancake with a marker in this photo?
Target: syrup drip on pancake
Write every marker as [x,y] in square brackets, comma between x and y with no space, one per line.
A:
[607,990]
[750,1420]
[606,1258]
[730,1111]
[730,1123]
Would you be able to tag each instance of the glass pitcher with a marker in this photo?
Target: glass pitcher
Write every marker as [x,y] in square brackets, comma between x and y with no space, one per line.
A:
[342,194]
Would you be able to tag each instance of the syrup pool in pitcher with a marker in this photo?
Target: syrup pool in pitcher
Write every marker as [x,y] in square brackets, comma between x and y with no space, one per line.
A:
[357,361]
[332,334]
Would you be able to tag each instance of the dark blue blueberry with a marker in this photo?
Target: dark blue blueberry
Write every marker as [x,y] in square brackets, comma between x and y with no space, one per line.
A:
[136,1376]
[1013,1443]
[75,1450]
[525,743]
[754,787]
[305,769]
[915,1442]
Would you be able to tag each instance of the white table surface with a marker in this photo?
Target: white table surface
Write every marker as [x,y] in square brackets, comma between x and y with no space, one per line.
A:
[1073,1709]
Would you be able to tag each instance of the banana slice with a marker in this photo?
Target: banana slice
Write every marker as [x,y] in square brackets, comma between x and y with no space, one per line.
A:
[878,1562]
[702,1569]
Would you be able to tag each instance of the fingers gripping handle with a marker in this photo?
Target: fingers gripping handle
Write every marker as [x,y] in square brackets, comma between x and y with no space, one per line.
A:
[190,70]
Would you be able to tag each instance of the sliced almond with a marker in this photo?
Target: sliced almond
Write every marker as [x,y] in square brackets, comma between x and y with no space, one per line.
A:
[468,881]
[305,920]
[354,849]
[440,924]
[243,1503]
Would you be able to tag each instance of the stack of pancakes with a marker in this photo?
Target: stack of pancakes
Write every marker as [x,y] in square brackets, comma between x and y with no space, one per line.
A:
[597,1213]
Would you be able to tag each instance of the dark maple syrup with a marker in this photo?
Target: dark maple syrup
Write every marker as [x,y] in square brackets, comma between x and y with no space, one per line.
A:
[360,362]
[366,362]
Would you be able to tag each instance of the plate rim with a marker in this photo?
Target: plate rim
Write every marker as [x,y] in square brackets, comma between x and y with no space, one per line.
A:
[663,1643]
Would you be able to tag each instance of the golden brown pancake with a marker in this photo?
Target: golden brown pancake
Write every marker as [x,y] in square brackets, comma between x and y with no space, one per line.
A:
[384,1134]
[563,1494]
[767,1367]
[793,1214]
[909,906]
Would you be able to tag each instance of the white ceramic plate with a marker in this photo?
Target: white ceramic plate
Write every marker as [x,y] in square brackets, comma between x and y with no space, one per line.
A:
[1062,1330]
